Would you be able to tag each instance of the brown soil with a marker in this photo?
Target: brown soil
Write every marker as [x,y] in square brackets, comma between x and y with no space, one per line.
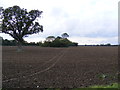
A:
[73,67]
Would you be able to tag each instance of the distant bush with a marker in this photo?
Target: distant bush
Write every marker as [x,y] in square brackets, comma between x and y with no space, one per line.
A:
[59,42]
[14,43]
[46,44]
[108,44]
[8,42]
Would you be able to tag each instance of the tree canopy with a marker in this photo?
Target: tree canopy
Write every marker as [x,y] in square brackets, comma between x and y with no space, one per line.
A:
[19,23]
[65,35]
[50,38]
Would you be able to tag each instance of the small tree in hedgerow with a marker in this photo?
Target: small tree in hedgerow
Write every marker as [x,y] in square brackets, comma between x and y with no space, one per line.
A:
[19,23]
[65,35]
[50,38]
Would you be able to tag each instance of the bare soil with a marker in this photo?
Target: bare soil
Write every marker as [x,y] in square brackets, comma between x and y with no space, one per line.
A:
[73,67]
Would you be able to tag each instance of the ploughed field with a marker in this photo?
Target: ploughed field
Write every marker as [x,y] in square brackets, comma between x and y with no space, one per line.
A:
[73,67]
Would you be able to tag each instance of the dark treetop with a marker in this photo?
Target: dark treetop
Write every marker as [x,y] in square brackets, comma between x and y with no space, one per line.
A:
[19,23]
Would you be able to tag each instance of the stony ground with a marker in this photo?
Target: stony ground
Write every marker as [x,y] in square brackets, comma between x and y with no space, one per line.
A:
[73,67]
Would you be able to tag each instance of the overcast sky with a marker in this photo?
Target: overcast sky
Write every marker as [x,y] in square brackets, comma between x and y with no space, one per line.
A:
[86,21]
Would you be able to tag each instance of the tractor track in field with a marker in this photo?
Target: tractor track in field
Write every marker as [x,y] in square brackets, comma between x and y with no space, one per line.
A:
[43,68]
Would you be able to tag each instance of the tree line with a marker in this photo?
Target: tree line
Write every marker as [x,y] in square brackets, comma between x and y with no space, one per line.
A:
[6,42]
[58,42]
[50,41]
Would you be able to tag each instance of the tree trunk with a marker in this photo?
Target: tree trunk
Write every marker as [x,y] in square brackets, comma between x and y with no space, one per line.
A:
[19,49]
